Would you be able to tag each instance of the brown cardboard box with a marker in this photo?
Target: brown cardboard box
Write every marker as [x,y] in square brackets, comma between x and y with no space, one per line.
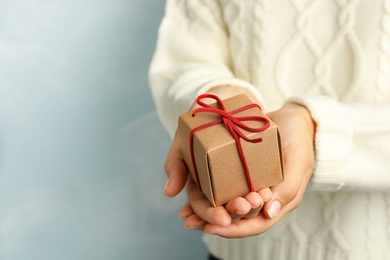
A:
[220,170]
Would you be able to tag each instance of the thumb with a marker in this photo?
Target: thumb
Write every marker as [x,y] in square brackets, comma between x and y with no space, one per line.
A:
[283,195]
[287,195]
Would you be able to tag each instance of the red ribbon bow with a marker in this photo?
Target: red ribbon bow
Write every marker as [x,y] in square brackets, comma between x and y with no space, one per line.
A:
[233,124]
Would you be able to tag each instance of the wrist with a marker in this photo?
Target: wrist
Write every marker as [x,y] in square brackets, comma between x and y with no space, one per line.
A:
[305,115]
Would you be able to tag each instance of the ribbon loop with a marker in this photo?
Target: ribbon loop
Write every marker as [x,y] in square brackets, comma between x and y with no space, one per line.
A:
[233,124]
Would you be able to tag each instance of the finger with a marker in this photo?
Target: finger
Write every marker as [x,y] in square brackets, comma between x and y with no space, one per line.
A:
[238,208]
[246,226]
[286,192]
[242,228]
[194,222]
[298,168]
[191,220]
[266,194]
[175,169]
[256,202]
[185,211]
[203,208]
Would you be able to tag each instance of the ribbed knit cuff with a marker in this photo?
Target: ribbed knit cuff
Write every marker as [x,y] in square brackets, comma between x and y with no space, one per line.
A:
[333,142]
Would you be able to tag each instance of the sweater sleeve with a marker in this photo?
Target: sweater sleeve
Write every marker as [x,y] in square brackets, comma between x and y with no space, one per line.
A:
[352,145]
[191,56]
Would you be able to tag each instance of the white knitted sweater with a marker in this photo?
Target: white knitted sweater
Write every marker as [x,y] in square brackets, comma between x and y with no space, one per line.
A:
[333,56]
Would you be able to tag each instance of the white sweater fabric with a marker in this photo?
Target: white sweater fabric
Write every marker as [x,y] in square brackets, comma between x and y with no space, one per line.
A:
[332,57]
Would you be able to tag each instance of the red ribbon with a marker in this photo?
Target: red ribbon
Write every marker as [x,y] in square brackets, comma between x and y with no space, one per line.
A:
[233,124]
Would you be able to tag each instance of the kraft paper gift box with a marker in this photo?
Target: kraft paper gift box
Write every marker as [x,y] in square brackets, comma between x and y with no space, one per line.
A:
[223,164]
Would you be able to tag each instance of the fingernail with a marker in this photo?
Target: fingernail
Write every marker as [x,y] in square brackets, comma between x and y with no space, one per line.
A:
[166,187]
[210,232]
[236,217]
[274,209]
[191,227]
[182,218]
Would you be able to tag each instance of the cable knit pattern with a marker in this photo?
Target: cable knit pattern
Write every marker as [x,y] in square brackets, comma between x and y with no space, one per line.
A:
[384,59]
[331,56]
[258,43]
[237,26]
[322,55]
[331,216]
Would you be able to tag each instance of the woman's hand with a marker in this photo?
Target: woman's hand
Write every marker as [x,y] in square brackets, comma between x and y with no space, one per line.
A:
[246,207]
[297,131]
[198,211]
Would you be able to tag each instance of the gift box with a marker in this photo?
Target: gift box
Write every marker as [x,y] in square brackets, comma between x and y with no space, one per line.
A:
[230,147]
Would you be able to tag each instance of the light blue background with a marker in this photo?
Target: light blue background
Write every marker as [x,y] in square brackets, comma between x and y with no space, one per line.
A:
[81,148]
